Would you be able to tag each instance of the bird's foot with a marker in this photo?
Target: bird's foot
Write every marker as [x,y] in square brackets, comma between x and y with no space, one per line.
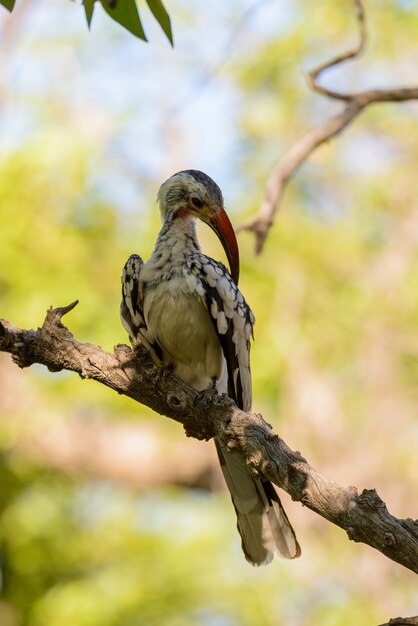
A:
[202,427]
[160,375]
[211,396]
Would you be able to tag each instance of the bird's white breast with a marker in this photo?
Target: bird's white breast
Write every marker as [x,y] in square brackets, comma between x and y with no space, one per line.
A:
[178,319]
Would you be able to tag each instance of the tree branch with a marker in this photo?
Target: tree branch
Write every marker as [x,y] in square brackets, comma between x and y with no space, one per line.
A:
[363,516]
[402,621]
[354,104]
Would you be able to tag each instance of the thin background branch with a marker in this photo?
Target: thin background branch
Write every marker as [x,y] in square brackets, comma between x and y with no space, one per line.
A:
[354,104]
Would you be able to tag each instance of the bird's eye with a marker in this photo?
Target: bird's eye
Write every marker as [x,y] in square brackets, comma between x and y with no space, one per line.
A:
[197,202]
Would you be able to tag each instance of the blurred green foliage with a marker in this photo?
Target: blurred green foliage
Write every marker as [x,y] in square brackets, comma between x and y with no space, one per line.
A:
[335,361]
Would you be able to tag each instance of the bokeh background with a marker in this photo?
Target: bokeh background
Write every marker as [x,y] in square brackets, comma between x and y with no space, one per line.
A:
[108,515]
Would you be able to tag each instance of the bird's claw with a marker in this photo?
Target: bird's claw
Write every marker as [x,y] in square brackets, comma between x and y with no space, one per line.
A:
[160,375]
[209,397]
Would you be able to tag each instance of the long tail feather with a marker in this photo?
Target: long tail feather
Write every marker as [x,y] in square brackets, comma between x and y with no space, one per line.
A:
[262,521]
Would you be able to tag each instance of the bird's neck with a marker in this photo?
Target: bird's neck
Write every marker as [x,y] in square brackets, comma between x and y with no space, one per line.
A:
[177,240]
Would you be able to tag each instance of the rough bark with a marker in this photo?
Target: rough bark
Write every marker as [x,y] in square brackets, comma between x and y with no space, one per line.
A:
[363,516]
[402,621]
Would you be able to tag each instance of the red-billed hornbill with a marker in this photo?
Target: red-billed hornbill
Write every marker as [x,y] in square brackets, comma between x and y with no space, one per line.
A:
[187,310]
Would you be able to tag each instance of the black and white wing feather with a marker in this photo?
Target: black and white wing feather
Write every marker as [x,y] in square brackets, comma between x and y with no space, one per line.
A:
[233,321]
[132,306]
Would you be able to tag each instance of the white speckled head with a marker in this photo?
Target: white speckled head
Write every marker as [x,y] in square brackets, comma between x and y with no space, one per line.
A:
[191,193]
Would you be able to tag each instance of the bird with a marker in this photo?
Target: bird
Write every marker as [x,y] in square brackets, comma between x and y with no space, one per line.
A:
[186,309]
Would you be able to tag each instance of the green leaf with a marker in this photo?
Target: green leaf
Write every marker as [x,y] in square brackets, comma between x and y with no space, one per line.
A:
[8,4]
[89,8]
[160,13]
[125,12]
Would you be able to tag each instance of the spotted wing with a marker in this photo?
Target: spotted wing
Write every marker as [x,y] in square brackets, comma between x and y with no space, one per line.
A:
[233,321]
[131,307]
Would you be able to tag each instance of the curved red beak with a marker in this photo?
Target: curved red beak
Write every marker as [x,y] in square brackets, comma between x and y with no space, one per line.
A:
[225,231]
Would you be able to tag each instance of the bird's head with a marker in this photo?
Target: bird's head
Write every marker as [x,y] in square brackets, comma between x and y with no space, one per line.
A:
[192,193]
